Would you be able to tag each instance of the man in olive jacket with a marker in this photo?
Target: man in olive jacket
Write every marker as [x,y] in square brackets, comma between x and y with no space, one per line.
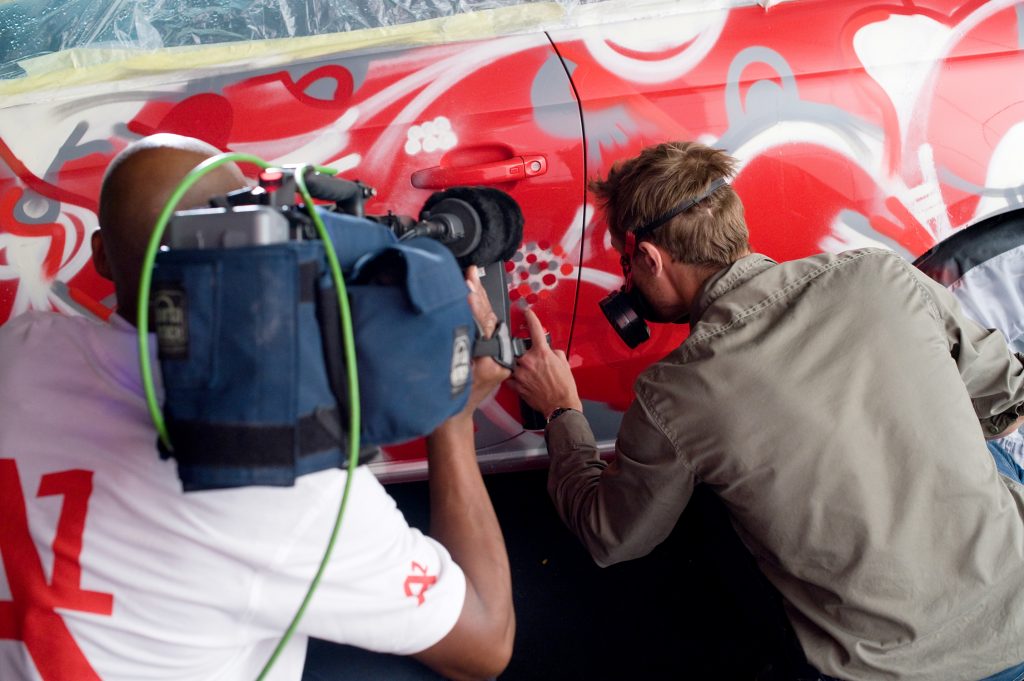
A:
[838,405]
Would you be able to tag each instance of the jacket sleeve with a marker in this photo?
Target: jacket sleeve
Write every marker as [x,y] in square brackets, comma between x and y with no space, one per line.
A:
[621,509]
[991,372]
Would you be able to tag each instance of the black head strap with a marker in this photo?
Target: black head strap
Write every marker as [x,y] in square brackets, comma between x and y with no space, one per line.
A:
[643,230]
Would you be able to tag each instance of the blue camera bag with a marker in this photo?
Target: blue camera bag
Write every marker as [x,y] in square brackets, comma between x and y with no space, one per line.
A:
[251,354]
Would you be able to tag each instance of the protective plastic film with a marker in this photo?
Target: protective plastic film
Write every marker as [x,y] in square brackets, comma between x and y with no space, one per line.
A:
[31,28]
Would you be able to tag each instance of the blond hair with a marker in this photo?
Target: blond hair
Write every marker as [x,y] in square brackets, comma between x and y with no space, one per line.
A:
[637,191]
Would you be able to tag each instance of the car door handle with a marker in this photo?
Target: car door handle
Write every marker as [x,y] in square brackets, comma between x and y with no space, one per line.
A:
[493,172]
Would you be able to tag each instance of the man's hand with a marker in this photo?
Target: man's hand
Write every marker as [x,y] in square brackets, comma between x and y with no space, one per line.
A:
[487,374]
[542,376]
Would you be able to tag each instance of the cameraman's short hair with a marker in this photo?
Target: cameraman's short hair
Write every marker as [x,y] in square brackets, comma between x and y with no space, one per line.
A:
[713,233]
[159,140]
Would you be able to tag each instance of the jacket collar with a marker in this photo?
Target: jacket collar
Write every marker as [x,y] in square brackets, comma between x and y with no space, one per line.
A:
[725,280]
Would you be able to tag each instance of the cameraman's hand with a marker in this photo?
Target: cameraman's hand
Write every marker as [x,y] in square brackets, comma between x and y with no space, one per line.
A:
[487,374]
[542,376]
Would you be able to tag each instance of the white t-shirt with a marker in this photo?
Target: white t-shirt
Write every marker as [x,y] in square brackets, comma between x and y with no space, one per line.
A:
[154,583]
[992,294]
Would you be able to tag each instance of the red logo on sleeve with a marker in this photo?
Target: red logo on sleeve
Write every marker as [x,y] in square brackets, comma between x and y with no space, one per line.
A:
[31,616]
[422,580]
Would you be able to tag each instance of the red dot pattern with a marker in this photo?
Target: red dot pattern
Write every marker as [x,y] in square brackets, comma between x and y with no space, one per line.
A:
[536,271]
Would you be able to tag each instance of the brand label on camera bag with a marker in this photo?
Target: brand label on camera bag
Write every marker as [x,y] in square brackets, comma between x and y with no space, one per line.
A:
[170,319]
[461,358]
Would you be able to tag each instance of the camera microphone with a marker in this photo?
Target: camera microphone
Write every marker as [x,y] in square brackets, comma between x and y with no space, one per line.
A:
[480,225]
[453,222]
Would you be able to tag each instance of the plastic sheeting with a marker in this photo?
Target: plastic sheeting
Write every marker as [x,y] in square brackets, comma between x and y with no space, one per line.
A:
[31,28]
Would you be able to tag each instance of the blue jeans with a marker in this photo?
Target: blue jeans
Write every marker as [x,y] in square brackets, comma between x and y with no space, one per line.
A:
[1011,674]
[1005,462]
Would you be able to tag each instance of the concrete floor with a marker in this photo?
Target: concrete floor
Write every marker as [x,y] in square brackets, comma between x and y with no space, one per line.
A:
[693,609]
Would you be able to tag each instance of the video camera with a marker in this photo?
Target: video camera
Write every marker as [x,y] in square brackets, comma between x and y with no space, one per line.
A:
[251,330]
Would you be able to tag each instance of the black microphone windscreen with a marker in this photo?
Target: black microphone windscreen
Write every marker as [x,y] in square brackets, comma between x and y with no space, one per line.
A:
[500,220]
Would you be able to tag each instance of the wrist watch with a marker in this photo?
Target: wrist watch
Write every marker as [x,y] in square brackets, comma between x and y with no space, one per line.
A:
[558,412]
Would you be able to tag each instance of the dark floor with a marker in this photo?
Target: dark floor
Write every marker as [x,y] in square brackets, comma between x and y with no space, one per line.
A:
[693,609]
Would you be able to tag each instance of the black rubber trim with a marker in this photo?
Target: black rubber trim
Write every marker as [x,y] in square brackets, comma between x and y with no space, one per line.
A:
[952,258]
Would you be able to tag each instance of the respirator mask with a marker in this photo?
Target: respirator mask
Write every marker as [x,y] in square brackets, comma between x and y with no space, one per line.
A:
[627,310]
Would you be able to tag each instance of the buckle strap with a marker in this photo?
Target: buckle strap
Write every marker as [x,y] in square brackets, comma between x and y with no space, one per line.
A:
[498,346]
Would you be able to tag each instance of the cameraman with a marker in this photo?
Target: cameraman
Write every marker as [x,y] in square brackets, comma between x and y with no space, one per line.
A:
[113,573]
[838,405]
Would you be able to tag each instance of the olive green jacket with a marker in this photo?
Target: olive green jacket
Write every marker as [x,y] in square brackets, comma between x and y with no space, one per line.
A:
[838,406]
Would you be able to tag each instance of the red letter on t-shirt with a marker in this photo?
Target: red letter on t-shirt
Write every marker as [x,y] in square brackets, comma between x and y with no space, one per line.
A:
[30,616]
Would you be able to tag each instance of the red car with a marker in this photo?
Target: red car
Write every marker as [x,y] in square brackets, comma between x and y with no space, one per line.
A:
[861,122]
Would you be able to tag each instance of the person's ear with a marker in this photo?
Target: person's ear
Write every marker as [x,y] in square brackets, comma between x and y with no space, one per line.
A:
[99,257]
[650,257]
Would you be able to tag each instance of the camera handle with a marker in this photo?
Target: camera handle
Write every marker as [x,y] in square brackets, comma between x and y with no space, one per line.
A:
[502,346]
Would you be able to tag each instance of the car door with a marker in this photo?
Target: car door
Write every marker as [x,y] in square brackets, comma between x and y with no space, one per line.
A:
[497,110]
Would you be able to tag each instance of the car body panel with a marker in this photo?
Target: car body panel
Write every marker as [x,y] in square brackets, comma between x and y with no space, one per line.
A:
[379,117]
[856,123]
[889,127]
